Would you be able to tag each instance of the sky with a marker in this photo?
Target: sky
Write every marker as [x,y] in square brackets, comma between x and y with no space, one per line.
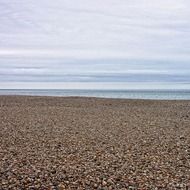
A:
[64,43]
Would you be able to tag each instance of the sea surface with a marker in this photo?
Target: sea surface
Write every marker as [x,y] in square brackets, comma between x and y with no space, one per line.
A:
[128,94]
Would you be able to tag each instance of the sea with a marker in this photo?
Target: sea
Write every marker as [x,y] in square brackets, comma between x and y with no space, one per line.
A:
[123,94]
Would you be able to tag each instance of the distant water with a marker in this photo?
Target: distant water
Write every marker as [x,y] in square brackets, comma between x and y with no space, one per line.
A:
[130,94]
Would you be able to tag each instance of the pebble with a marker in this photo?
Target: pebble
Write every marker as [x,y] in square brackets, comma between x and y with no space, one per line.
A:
[88,143]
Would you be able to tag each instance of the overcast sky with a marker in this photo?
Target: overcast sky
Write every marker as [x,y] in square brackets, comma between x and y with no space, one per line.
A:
[98,41]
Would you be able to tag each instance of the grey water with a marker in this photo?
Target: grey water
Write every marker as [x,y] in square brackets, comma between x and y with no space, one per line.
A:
[128,94]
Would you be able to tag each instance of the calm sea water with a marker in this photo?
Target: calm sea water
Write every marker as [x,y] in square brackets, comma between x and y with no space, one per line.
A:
[130,94]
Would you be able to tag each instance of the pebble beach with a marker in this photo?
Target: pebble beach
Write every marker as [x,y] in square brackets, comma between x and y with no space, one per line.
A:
[60,143]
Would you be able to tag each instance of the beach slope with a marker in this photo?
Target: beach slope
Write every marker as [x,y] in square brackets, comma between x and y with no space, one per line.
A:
[93,143]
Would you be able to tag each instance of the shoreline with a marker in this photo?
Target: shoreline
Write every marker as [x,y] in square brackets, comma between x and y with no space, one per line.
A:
[113,94]
[94,97]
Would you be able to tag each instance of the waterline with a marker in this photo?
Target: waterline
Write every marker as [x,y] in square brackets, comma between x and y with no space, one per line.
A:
[128,94]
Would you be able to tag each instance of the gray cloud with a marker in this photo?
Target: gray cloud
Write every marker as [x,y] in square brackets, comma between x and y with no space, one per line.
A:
[97,41]
[45,70]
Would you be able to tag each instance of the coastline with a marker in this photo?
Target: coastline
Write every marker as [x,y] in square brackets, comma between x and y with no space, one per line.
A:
[94,143]
[157,94]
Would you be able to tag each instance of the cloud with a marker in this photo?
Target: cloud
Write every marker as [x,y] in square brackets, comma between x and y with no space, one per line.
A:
[88,40]
[58,70]
[131,28]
